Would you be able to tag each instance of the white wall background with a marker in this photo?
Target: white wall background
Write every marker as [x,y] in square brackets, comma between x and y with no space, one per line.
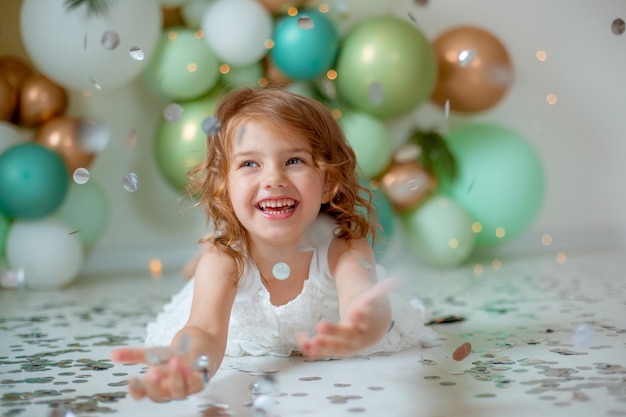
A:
[581,139]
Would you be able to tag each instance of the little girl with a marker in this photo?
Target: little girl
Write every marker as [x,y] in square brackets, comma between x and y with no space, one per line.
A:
[288,268]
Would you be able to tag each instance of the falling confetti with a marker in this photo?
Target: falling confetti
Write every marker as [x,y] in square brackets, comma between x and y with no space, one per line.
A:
[173,112]
[136,53]
[618,27]
[376,93]
[446,109]
[95,84]
[110,40]
[462,351]
[210,126]
[583,336]
[412,17]
[306,23]
[130,182]
[80,176]
[281,271]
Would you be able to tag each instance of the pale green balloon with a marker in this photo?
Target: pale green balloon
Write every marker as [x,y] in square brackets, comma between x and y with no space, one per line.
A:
[371,140]
[439,232]
[183,67]
[180,145]
[386,67]
[87,211]
[246,76]
[500,180]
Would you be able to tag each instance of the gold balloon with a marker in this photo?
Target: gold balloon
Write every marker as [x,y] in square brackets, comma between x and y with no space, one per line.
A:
[63,135]
[407,184]
[275,77]
[8,100]
[280,6]
[15,70]
[40,100]
[475,70]
[172,17]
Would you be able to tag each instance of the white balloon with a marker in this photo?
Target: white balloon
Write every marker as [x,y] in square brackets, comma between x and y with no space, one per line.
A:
[9,135]
[236,30]
[82,52]
[50,255]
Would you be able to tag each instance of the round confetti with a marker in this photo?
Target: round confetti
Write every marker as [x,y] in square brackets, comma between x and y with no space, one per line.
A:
[306,23]
[130,182]
[618,27]
[80,176]
[173,112]
[281,271]
[210,126]
[110,39]
[136,53]
[376,93]
[94,137]
[462,352]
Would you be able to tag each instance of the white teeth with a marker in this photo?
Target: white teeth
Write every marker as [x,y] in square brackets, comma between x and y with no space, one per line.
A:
[282,203]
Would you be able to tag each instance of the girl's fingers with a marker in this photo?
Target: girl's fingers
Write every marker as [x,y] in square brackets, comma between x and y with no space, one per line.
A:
[178,380]
[136,388]
[153,385]
[128,355]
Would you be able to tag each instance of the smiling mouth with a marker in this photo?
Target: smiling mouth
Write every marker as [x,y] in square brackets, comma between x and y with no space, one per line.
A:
[280,206]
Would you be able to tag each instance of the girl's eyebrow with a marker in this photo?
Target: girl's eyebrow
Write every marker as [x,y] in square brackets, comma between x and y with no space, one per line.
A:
[246,154]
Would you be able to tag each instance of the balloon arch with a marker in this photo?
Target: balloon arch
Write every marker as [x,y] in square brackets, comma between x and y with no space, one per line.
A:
[370,70]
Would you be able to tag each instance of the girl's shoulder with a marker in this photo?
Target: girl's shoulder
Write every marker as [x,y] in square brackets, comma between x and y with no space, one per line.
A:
[216,262]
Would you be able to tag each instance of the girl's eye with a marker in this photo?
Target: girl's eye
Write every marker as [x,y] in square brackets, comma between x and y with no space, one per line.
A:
[292,161]
[249,164]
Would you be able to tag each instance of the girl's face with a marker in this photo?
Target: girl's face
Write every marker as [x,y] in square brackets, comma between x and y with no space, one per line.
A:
[275,188]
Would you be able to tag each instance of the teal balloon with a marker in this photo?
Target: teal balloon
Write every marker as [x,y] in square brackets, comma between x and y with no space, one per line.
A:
[370,138]
[33,181]
[246,76]
[181,145]
[305,45]
[500,181]
[183,66]
[87,211]
[386,67]
[386,220]
[439,232]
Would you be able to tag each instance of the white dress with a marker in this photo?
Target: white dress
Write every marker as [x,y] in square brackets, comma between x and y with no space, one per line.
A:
[257,327]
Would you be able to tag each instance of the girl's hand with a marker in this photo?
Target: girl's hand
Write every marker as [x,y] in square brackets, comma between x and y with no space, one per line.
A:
[360,329]
[169,376]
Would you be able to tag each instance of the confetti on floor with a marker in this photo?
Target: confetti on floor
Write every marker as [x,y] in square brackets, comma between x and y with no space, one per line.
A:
[538,338]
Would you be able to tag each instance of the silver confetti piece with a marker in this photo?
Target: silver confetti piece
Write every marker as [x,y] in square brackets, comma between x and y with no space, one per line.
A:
[110,39]
[466,57]
[131,182]
[306,23]
[136,53]
[183,345]
[157,355]
[202,365]
[80,176]
[210,126]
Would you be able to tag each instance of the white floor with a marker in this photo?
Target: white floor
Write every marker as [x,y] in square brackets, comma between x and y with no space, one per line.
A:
[548,339]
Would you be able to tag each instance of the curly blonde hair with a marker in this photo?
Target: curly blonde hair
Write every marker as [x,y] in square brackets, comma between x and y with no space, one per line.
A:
[350,203]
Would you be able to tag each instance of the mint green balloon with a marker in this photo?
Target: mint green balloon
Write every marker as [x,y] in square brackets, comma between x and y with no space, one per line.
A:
[386,67]
[439,232]
[500,180]
[183,66]
[246,76]
[371,140]
[181,145]
[386,220]
[87,210]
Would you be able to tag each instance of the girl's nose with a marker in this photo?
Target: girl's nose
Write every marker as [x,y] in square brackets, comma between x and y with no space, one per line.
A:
[274,177]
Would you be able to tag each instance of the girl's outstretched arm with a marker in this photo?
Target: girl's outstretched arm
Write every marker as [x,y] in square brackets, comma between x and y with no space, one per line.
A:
[195,354]
[364,311]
